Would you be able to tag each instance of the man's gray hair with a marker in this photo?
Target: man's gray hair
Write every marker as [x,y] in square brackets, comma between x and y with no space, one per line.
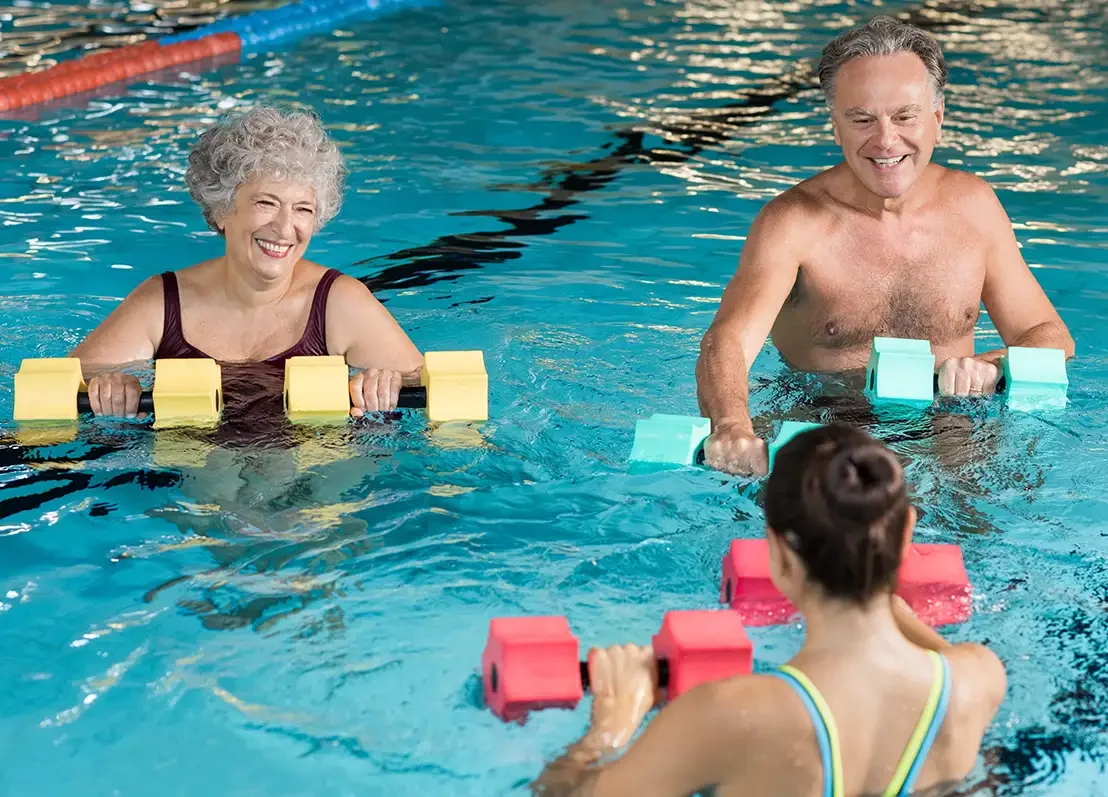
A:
[883,35]
[265,142]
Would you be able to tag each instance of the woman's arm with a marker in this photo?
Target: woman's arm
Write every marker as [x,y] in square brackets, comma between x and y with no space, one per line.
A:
[689,746]
[365,333]
[131,332]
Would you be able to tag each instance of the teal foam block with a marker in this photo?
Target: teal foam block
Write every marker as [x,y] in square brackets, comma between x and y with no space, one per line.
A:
[1035,378]
[670,439]
[789,430]
[901,370]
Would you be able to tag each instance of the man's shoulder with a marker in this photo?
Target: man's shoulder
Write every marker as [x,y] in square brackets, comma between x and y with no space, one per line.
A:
[805,204]
[956,187]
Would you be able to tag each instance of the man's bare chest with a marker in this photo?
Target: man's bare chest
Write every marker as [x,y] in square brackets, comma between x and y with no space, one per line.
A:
[849,291]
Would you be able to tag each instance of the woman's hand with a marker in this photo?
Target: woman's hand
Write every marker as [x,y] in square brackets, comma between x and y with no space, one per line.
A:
[115,394]
[375,390]
[624,684]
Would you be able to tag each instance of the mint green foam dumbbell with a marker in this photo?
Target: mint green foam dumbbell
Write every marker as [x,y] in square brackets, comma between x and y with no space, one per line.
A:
[902,370]
[679,439]
[1034,378]
[788,430]
[670,439]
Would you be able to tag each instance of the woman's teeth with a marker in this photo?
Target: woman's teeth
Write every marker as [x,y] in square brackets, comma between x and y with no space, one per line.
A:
[275,250]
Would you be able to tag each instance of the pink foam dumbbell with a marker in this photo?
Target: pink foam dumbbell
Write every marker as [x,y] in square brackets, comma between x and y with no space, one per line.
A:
[932,580]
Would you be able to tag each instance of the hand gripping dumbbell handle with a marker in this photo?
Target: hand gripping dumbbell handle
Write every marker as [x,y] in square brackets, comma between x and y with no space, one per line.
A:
[1001,383]
[661,664]
[414,398]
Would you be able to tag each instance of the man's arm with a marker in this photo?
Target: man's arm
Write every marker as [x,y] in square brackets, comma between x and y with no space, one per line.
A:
[689,746]
[1015,301]
[767,271]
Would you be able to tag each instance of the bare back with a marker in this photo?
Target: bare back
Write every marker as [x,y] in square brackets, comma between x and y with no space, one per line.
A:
[875,707]
[920,275]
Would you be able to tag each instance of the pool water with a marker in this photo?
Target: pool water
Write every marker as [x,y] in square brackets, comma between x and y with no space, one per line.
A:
[566,186]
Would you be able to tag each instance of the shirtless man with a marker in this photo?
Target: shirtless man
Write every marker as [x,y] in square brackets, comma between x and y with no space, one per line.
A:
[884,243]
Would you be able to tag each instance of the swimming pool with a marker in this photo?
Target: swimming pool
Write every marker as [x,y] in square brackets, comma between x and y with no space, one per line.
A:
[564,185]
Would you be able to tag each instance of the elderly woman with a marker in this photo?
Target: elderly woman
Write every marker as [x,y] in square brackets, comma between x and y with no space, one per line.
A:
[267,181]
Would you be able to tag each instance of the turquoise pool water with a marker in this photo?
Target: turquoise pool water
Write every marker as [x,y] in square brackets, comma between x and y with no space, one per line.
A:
[566,186]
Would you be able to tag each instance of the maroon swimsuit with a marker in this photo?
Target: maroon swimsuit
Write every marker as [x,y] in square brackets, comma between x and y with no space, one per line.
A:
[312,343]
[253,392]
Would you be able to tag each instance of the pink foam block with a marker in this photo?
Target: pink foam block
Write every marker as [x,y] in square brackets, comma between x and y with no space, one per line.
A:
[932,579]
[530,663]
[701,646]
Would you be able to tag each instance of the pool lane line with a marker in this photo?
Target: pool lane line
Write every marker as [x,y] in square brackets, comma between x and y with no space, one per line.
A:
[257,31]
[104,68]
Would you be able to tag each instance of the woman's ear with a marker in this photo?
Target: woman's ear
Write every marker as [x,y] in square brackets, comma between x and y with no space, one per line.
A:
[909,527]
[779,566]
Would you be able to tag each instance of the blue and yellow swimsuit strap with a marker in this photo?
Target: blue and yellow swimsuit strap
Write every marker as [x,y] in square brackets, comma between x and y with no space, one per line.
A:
[826,733]
[927,729]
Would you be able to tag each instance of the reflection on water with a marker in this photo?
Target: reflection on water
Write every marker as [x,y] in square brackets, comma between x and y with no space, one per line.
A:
[38,35]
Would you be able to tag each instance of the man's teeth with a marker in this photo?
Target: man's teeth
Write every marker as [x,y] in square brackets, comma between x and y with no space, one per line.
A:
[274,248]
[889,161]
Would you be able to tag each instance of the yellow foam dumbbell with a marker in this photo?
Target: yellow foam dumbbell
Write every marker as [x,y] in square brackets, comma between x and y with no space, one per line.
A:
[186,392]
[454,387]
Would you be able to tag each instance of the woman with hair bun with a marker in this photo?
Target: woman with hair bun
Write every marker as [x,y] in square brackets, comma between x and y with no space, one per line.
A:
[875,702]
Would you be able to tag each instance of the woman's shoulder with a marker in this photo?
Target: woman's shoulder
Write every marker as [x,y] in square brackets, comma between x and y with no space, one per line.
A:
[979,680]
[150,292]
[344,290]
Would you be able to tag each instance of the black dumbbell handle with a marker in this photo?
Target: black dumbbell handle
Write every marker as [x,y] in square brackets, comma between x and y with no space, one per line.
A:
[412,398]
[146,402]
[663,673]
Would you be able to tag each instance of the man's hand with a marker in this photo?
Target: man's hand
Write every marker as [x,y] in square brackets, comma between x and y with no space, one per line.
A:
[115,394]
[624,684]
[734,448]
[374,390]
[967,376]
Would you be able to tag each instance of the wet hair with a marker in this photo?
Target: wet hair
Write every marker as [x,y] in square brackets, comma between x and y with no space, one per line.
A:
[265,142]
[837,497]
[883,35]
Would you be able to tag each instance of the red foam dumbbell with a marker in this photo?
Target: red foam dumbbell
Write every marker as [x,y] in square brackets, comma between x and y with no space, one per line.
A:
[532,663]
[932,580]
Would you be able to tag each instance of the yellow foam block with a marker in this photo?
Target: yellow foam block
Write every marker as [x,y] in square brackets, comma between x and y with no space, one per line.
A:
[187,392]
[46,389]
[317,388]
[457,386]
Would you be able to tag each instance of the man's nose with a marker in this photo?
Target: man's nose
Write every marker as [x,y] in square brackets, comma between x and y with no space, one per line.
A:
[887,134]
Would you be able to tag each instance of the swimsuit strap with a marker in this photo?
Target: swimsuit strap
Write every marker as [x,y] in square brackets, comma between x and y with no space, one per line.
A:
[173,344]
[938,701]
[824,723]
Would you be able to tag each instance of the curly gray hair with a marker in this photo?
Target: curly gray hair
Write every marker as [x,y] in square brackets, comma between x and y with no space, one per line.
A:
[270,142]
[883,35]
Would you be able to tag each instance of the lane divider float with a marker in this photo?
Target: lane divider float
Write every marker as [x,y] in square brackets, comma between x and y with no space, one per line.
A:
[257,31]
